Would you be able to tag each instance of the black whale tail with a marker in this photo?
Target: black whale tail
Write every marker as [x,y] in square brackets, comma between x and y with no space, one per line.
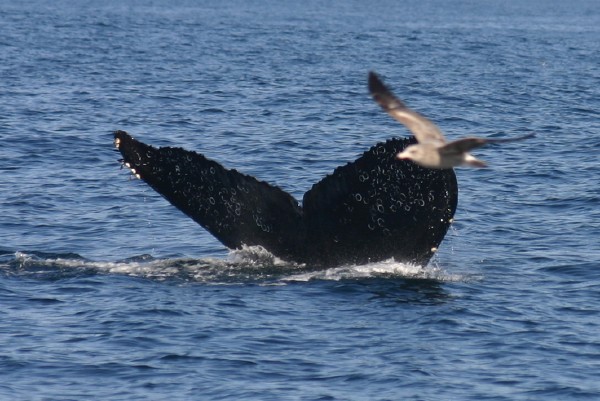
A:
[236,208]
[369,210]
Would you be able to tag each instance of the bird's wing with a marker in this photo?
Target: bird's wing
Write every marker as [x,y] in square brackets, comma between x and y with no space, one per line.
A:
[462,145]
[423,129]
[466,144]
[503,140]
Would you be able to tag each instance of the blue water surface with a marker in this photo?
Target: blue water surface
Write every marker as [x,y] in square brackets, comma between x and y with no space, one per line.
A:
[110,293]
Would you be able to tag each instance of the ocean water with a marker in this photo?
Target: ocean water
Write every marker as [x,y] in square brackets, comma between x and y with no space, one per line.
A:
[109,293]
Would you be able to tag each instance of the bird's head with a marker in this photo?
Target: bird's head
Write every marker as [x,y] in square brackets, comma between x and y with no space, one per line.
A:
[412,152]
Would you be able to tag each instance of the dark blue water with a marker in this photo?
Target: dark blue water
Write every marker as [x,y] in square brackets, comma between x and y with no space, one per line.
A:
[108,292]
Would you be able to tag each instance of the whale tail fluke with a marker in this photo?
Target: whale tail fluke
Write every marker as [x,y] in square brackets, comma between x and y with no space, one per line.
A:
[236,208]
[378,207]
[372,209]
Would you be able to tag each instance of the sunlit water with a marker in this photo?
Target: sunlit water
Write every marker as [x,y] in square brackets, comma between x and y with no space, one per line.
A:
[108,292]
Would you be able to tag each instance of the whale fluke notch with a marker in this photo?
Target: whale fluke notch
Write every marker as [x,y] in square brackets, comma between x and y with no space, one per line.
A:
[369,210]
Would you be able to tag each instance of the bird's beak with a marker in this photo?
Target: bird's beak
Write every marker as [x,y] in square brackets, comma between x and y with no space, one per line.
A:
[402,156]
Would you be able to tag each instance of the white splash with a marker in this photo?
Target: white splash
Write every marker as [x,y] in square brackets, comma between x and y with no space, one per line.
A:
[387,268]
[247,265]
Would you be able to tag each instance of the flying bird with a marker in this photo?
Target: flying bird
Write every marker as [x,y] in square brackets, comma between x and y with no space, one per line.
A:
[432,149]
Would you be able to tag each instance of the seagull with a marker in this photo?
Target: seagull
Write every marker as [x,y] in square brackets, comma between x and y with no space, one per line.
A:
[431,149]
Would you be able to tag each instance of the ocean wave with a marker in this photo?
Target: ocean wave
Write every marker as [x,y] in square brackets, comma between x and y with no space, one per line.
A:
[250,265]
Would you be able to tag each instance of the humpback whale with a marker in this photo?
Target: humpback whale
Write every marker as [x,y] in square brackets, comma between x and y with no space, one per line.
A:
[372,209]
[432,150]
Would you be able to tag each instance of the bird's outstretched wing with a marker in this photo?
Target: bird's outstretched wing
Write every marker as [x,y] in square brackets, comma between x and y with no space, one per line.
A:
[422,128]
[467,144]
